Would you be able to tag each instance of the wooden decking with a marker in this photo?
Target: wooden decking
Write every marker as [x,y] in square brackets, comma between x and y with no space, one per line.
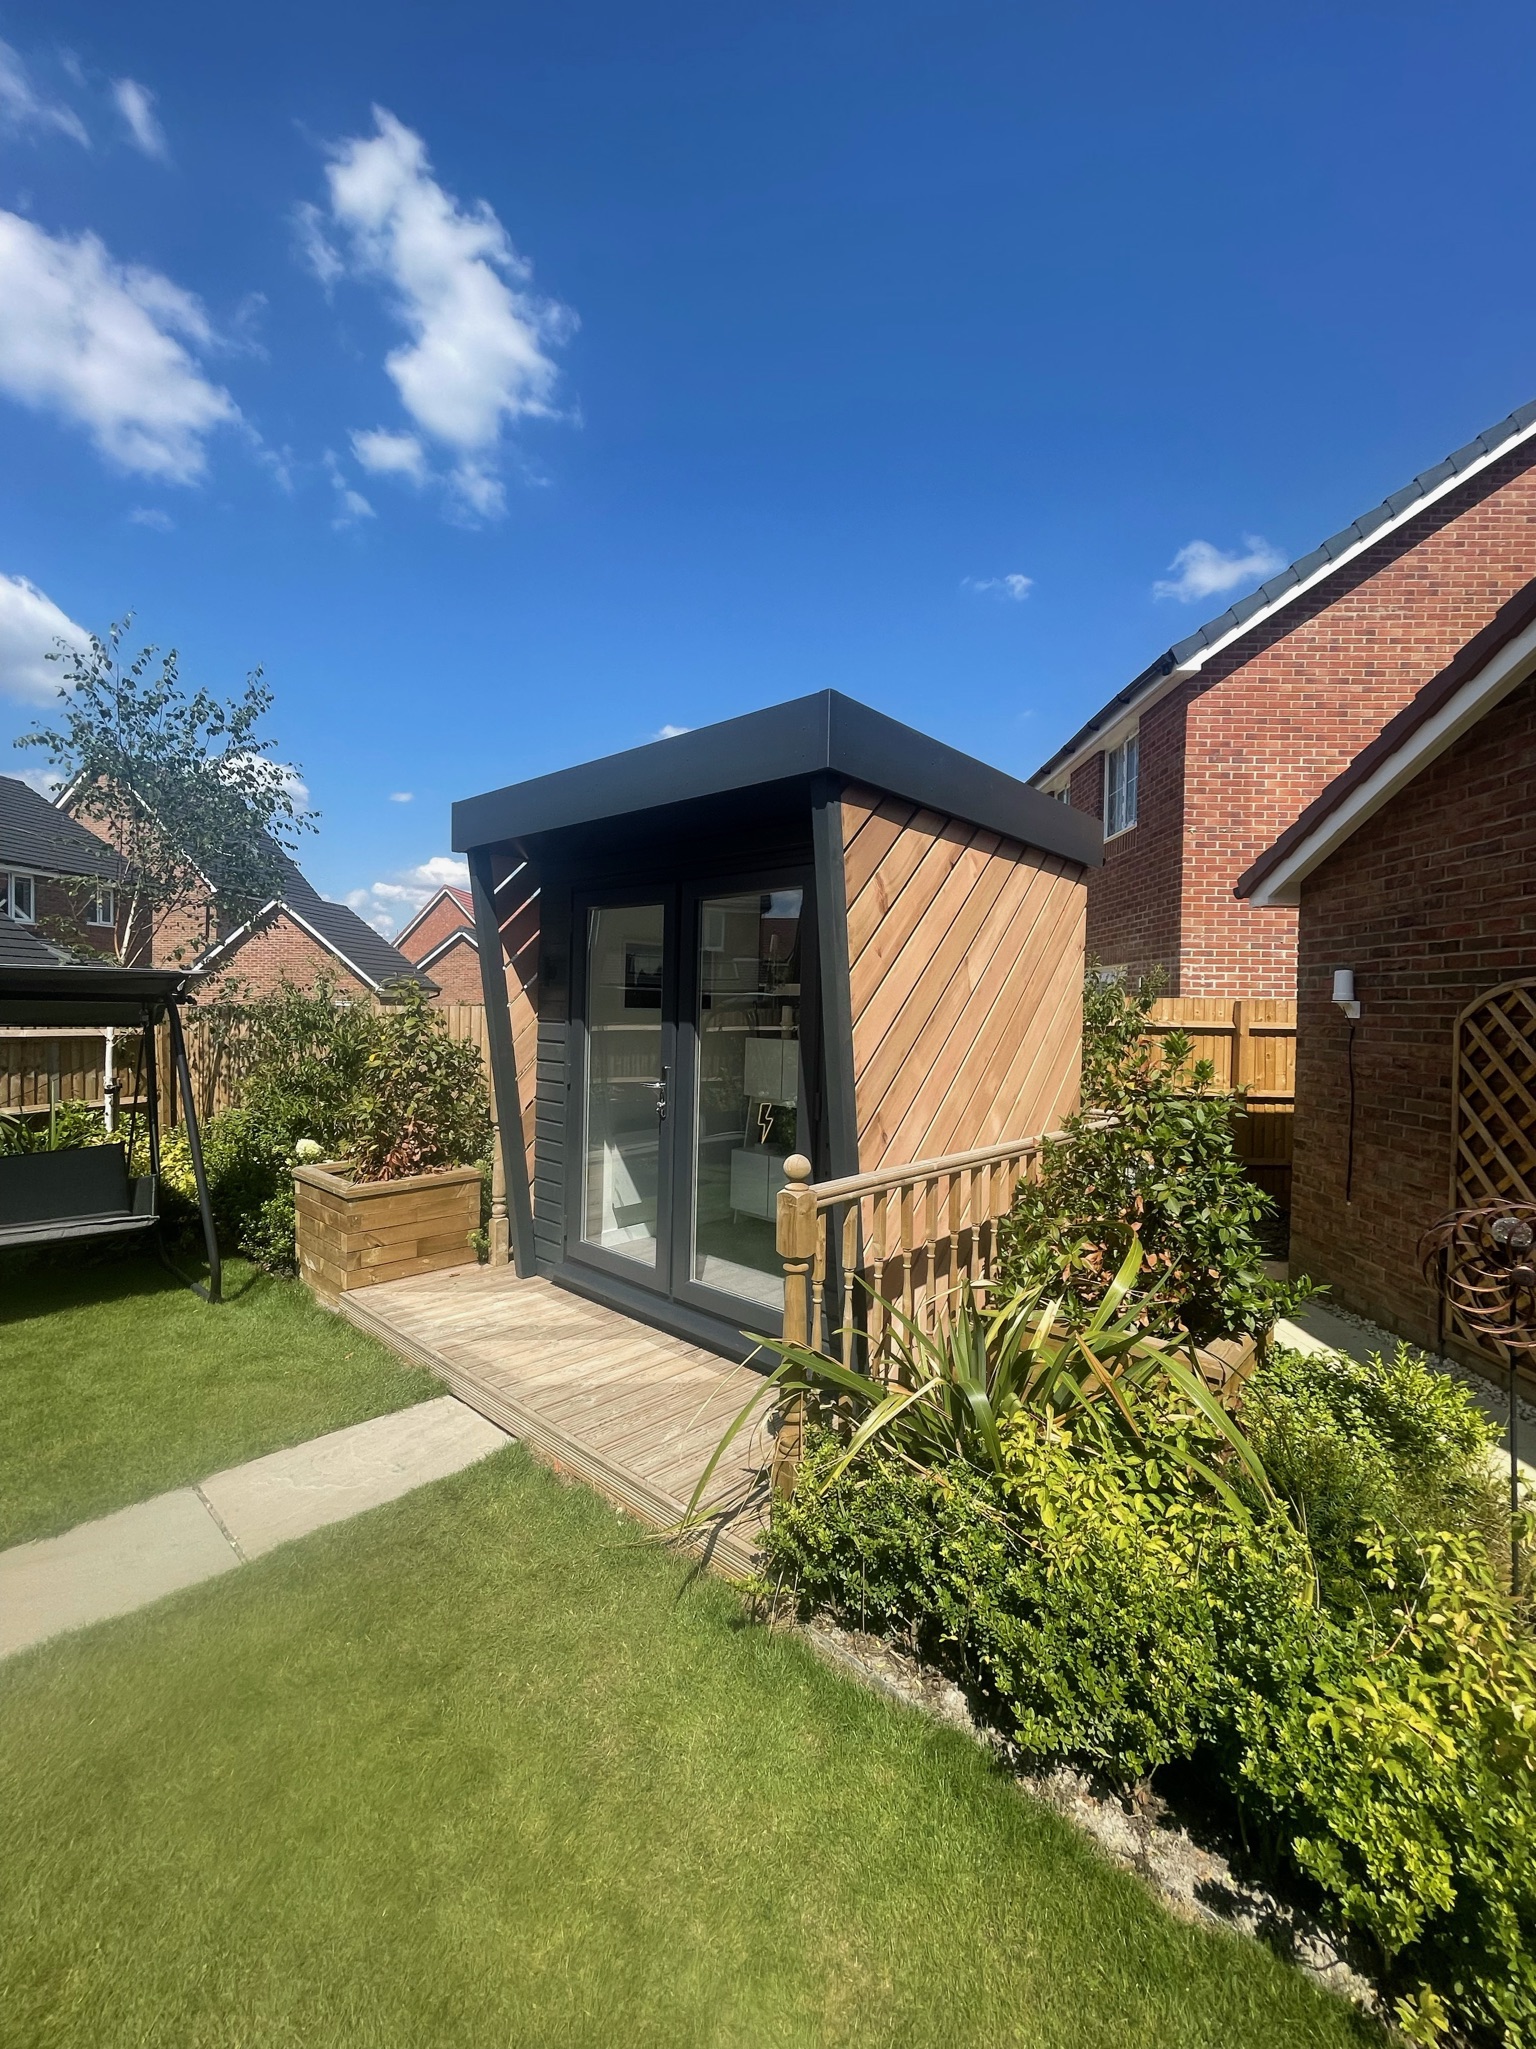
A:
[628,1409]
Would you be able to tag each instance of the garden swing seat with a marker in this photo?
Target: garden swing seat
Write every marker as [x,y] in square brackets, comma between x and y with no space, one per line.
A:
[85,1193]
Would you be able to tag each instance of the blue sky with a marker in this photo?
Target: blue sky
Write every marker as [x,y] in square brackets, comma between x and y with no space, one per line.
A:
[513,382]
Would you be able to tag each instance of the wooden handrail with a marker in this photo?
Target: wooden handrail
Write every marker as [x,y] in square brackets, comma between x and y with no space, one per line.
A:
[910,1237]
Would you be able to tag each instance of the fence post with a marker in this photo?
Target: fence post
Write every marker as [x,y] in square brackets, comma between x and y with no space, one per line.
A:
[1242,1044]
[796,1243]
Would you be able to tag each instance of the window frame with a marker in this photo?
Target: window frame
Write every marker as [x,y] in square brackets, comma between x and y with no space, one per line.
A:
[104,893]
[29,915]
[1122,791]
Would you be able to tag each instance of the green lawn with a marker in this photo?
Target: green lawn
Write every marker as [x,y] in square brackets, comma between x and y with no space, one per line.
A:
[480,1770]
[116,1382]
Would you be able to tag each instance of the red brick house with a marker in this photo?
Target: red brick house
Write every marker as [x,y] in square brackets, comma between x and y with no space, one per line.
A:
[1201,761]
[1414,871]
[440,940]
[297,937]
[57,879]
[301,938]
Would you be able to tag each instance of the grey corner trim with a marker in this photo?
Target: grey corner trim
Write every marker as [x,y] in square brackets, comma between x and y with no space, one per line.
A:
[498,1032]
[842,1119]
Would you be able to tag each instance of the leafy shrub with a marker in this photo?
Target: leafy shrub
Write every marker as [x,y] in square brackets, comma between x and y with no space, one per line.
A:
[1388,1444]
[1353,1676]
[422,1100]
[305,1057]
[68,1126]
[1150,1157]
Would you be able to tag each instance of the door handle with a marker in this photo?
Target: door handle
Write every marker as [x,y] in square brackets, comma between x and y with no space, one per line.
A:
[661,1096]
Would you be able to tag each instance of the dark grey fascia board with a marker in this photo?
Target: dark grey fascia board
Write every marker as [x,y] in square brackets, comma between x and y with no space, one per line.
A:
[826,732]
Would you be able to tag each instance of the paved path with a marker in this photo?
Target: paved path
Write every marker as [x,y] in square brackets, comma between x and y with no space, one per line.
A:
[123,1561]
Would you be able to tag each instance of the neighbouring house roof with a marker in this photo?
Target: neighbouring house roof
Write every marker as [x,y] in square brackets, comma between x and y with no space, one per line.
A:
[336,927]
[1187,656]
[463,936]
[459,898]
[36,835]
[805,737]
[1492,664]
[21,948]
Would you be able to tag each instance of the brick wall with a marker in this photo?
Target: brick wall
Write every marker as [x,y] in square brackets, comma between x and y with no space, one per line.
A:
[1133,900]
[283,952]
[1229,759]
[1432,903]
[457,975]
[444,917]
[61,908]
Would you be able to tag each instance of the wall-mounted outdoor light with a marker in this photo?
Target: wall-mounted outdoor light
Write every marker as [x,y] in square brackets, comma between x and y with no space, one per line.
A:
[1344,991]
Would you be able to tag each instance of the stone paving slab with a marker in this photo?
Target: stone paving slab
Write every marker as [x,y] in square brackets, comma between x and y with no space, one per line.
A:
[124,1561]
[108,1567]
[289,1493]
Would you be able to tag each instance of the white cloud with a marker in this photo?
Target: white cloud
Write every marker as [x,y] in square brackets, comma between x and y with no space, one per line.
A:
[351,505]
[22,106]
[391,455]
[670,732]
[136,104]
[402,796]
[30,624]
[151,515]
[1205,571]
[476,360]
[43,780]
[394,902]
[1015,586]
[104,345]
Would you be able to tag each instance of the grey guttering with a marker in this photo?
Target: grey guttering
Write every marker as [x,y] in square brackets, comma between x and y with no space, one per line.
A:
[1188,656]
[804,737]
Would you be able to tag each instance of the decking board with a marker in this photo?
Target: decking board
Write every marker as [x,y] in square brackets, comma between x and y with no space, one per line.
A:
[633,1412]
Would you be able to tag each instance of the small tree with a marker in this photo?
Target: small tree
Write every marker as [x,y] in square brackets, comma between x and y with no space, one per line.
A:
[181,783]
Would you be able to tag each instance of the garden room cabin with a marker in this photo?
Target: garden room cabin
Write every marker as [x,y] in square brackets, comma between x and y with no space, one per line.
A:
[806,930]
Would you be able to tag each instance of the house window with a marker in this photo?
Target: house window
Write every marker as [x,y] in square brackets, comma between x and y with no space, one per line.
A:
[21,899]
[103,910]
[1064,794]
[1121,765]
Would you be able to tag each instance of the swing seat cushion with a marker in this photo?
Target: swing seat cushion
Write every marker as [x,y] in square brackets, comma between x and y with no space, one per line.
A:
[79,1194]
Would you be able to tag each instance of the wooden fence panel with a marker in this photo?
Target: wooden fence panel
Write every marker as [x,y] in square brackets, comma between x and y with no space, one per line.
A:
[1251,1043]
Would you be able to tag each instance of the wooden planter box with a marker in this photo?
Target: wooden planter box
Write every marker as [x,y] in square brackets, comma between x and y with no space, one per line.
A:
[355,1234]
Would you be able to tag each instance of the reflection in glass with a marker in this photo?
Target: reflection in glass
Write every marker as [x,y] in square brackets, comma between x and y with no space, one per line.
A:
[748,1110]
[623,1079]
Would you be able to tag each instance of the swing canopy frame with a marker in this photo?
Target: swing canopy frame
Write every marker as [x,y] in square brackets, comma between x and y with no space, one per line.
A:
[53,1197]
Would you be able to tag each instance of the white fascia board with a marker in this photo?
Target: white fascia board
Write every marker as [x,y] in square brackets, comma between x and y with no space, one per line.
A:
[1503,673]
[464,932]
[1097,741]
[242,932]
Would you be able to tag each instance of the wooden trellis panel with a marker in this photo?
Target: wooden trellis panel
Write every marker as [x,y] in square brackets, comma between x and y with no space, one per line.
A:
[1494,1116]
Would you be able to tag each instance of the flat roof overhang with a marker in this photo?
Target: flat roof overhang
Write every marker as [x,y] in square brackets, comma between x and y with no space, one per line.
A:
[807,736]
[88,994]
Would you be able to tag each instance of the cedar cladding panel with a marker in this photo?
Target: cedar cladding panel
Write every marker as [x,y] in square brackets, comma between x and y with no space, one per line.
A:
[966,965]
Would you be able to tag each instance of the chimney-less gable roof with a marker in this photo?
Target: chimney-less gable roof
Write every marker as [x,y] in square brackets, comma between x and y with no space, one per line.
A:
[337,927]
[1491,665]
[36,835]
[20,948]
[460,898]
[1189,655]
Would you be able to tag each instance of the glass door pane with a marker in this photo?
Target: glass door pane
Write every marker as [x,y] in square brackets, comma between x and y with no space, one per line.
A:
[747,1113]
[624,1081]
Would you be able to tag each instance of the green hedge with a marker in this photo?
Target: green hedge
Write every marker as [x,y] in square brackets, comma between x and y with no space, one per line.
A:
[1348,1668]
